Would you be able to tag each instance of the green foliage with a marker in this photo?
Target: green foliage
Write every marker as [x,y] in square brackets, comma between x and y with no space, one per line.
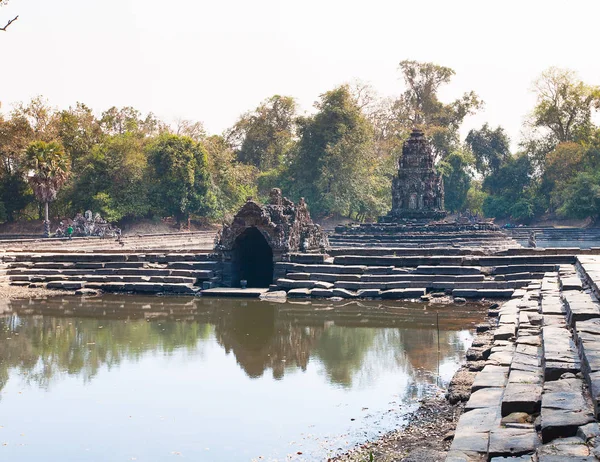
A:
[457,179]
[47,166]
[113,179]
[232,182]
[330,167]
[264,137]
[582,196]
[491,148]
[183,188]
[475,198]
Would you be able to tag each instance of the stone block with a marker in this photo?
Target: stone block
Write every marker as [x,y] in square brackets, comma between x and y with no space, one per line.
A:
[343,293]
[559,423]
[521,397]
[490,377]
[321,293]
[508,442]
[369,293]
[456,270]
[484,398]
[395,294]
[299,293]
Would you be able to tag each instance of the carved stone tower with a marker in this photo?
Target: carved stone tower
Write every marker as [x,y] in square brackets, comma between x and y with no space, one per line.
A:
[417,191]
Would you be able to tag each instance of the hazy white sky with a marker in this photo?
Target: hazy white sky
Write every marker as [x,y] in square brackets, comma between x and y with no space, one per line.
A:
[213,60]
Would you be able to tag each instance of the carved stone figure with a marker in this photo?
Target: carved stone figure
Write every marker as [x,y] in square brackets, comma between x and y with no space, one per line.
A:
[87,225]
[417,190]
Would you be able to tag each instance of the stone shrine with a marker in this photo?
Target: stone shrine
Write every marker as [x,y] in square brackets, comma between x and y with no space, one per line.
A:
[417,191]
[261,235]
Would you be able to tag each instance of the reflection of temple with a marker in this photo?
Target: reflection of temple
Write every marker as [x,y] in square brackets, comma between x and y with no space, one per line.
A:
[259,342]
[417,191]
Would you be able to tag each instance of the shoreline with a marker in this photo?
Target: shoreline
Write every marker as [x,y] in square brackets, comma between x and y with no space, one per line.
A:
[429,432]
[10,292]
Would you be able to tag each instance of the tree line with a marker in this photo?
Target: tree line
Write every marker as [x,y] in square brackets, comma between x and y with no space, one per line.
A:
[341,158]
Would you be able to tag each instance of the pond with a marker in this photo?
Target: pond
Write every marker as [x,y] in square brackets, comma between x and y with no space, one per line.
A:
[156,378]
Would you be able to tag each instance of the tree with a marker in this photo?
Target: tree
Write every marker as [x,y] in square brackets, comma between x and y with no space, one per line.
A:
[232,181]
[419,105]
[457,179]
[10,21]
[113,178]
[508,188]
[117,121]
[264,137]
[331,165]
[49,170]
[179,168]
[79,131]
[490,148]
[15,194]
[564,105]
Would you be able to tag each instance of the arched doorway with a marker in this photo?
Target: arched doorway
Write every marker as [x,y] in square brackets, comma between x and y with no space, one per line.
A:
[252,259]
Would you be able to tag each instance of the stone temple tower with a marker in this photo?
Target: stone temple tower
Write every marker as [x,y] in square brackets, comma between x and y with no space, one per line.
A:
[417,191]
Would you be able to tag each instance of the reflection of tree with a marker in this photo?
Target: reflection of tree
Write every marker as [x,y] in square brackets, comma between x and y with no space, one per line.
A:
[42,347]
[342,352]
[79,337]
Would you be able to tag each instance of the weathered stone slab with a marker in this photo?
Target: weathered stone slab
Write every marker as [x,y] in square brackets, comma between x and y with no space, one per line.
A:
[299,293]
[395,294]
[462,270]
[567,449]
[521,397]
[483,293]
[525,377]
[512,442]
[505,332]
[490,377]
[466,456]
[369,293]
[559,423]
[321,293]
[484,398]
[343,293]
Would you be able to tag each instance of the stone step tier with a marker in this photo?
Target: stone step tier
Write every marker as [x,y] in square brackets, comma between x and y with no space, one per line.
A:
[177,273]
[407,277]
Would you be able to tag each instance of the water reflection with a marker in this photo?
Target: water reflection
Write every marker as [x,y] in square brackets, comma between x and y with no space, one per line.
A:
[359,348]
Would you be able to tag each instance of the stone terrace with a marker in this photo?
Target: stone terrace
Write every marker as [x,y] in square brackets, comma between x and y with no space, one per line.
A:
[536,394]
[413,274]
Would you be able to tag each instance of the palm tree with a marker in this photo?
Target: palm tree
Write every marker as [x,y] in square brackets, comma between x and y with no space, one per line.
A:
[48,166]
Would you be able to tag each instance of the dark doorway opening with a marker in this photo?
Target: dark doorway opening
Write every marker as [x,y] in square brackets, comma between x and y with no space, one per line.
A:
[252,259]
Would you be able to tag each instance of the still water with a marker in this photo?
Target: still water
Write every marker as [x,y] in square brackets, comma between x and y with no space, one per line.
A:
[122,378]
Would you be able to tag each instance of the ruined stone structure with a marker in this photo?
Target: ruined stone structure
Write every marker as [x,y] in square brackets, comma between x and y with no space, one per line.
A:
[417,191]
[262,234]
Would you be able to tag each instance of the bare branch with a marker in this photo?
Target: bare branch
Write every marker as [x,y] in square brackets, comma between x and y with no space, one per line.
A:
[3,29]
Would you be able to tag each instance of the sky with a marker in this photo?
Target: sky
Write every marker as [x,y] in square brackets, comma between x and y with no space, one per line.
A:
[211,61]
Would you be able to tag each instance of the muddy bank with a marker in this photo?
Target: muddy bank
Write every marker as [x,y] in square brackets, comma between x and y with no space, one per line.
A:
[428,435]
[16,292]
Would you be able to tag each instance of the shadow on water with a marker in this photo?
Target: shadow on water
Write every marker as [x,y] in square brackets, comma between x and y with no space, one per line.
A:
[322,353]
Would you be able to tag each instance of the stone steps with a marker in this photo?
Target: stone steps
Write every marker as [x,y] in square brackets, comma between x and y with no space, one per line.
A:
[198,274]
[107,279]
[533,369]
